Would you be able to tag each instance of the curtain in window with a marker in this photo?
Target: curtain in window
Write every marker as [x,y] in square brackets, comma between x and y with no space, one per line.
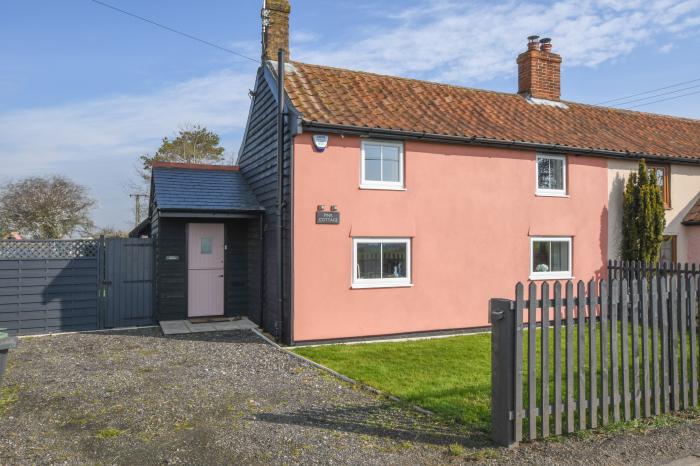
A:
[550,173]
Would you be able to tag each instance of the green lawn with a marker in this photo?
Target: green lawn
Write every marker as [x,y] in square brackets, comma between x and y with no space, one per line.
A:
[449,376]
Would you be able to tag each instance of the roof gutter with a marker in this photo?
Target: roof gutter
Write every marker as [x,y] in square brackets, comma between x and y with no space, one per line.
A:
[502,143]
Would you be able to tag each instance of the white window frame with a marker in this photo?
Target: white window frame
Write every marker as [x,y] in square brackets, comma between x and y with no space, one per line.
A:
[388,185]
[381,282]
[551,192]
[557,275]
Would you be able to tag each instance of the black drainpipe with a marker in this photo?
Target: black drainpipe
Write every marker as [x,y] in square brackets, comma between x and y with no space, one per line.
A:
[280,189]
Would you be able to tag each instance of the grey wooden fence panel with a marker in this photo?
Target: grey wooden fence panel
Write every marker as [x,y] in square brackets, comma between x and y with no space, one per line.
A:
[56,286]
[48,295]
[658,375]
[581,349]
[693,305]
[570,399]
[636,392]
[673,324]
[604,350]
[557,360]
[624,341]
[665,370]
[646,388]
[683,325]
[654,302]
[129,282]
[518,366]
[544,345]
[592,354]
[614,347]
[532,359]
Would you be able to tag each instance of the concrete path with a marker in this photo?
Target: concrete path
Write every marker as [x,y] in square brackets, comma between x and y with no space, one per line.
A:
[184,327]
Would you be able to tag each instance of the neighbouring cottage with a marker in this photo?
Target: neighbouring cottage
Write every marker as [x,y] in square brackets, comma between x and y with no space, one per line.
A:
[405,205]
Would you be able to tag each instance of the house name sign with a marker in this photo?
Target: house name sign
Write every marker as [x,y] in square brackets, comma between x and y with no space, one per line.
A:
[327,218]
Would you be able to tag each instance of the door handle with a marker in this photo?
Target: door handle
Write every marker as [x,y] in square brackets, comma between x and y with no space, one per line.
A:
[221,276]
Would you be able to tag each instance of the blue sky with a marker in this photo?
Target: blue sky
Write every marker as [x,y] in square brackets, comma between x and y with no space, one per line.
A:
[84,90]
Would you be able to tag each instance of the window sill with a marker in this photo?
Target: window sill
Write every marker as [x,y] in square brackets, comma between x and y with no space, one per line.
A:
[364,286]
[382,188]
[544,278]
[545,194]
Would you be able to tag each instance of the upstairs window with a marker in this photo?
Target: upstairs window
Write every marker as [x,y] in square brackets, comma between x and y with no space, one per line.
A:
[663,179]
[551,175]
[382,165]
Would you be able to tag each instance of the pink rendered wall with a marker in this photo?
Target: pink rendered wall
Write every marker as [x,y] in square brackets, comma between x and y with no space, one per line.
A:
[693,244]
[470,212]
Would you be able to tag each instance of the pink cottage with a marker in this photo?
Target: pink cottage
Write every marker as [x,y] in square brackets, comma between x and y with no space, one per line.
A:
[405,205]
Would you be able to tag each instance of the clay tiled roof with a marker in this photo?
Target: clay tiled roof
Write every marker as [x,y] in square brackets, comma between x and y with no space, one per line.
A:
[693,215]
[338,97]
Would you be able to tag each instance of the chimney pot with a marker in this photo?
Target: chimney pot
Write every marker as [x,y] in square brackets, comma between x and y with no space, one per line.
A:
[532,42]
[546,44]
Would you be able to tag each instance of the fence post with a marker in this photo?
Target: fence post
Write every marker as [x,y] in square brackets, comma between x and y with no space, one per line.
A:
[502,316]
[101,291]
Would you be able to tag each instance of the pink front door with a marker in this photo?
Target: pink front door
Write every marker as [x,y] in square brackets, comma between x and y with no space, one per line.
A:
[205,275]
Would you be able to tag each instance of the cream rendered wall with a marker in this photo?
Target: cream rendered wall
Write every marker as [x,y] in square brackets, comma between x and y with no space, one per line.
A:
[685,186]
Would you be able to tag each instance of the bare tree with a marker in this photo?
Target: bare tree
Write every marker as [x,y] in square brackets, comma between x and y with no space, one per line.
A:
[46,208]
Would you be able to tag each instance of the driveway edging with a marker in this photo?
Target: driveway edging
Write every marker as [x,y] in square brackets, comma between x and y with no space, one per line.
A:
[339,375]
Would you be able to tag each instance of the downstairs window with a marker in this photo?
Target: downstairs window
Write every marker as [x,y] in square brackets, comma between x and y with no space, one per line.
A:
[550,258]
[381,262]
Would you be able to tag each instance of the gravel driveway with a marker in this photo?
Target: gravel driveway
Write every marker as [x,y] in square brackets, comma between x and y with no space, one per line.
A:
[139,398]
[136,397]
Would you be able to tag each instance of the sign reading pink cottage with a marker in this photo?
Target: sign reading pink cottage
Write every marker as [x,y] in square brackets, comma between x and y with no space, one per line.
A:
[405,205]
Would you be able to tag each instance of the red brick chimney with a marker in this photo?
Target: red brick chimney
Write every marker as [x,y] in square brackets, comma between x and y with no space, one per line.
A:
[539,70]
[275,18]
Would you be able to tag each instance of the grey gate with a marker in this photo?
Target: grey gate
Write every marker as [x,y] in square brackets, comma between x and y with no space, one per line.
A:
[70,285]
[127,285]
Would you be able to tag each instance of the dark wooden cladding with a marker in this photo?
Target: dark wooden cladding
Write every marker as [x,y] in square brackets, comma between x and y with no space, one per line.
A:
[258,162]
[242,268]
[630,350]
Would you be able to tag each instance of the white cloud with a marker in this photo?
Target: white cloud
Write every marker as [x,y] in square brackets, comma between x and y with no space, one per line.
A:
[97,142]
[456,41]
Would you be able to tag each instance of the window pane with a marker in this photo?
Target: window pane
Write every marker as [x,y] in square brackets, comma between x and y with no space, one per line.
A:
[659,174]
[560,256]
[540,256]
[369,260]
[667,250]
[550,173]
[390,162]
[394,260]
[206,245]
[373,163]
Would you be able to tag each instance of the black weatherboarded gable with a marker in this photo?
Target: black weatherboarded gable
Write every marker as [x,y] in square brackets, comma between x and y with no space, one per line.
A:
[258,161]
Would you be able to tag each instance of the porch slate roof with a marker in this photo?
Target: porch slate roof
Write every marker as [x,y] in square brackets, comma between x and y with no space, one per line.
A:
[188,187]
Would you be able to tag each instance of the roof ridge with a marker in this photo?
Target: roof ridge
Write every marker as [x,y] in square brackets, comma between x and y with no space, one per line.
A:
[634,112]
[490,91]
[404,78]
[195,166]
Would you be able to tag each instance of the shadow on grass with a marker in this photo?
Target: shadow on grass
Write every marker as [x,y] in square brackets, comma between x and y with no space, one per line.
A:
[383,420]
